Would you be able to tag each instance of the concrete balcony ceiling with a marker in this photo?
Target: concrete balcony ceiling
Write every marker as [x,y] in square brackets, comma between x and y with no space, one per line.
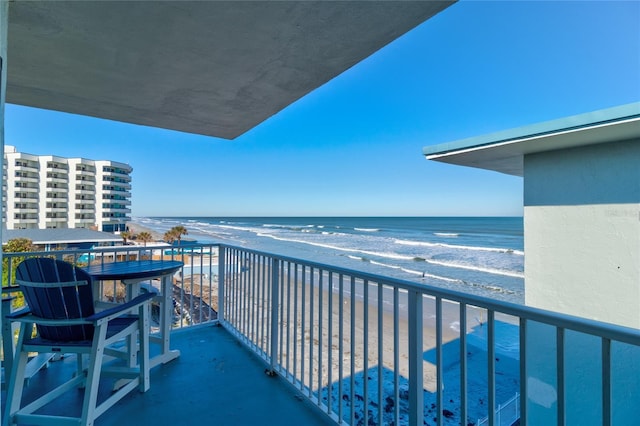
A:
[212,68]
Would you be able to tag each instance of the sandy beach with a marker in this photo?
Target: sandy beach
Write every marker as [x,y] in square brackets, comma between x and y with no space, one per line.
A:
[326,327]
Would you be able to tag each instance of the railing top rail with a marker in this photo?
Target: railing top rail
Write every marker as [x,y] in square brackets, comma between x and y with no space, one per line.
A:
[556,319]
[109,249]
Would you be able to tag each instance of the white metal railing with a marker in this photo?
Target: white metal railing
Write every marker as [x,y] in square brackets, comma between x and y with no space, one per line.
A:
[369,349]
[507,413]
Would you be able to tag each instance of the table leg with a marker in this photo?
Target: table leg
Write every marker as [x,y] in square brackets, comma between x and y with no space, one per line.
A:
[133,289]
[166,320]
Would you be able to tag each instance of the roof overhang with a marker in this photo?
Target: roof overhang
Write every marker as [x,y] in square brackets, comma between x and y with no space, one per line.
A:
[504,151]
[215,68]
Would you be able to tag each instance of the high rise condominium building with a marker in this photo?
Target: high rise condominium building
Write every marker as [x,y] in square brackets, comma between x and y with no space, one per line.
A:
[47,191]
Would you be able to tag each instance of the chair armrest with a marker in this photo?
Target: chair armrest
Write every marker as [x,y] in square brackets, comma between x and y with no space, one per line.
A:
[118,310]
[33,319]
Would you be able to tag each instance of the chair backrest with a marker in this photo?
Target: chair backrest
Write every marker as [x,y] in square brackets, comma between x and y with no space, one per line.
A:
[55,289]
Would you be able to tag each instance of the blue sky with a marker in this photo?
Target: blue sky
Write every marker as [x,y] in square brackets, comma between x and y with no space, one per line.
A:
[353,146]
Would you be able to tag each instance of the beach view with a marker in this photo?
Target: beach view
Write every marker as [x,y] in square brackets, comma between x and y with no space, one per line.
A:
[460,254]
[351,213]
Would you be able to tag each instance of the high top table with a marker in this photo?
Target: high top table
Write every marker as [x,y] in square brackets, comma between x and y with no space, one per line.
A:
[132,273]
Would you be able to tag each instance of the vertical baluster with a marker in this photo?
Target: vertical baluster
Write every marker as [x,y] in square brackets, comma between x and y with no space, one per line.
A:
[258,304]
[191,287]
[416,392]
[365,380]
[340,345]
[330,345]
[606,382]
[304,325]
[281,308]
[396,355]
[275,281]
[439,368]
[222,255]
[380,354]
[311,327]
[560,374]
[253,290]
[491,366]
[320,328]
[247,312]
[233,278]
[352,340]
[463,363]
[523,371]
[296,321]
[288,345]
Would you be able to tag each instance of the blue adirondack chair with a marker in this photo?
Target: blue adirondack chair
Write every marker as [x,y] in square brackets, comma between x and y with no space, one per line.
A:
[61,305]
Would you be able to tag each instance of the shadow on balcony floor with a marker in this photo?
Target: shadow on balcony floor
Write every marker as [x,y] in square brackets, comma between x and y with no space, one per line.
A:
[215,381]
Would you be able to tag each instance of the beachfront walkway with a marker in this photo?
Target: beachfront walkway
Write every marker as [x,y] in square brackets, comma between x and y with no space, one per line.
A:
[215,381]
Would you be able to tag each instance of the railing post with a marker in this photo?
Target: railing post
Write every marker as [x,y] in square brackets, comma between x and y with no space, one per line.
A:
[416,388]
[221,281]
[275,275]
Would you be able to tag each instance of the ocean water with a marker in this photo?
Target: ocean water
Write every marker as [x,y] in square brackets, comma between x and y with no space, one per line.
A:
[483,256]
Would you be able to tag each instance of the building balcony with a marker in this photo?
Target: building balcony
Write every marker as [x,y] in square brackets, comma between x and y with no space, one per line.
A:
[56,196]
[57,179]
[85,220]
[57,165]
[85,190]
[28,209]
[117,200]
[118,209]
[115,190]
[22,195]
[118,185]
[86,176]
[27,189]
[346,347]
[27,167]
[123,173]
[29,179]
[85,209]
[56,224]
[25,220]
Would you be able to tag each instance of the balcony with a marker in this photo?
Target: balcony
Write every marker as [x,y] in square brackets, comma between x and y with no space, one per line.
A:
[114,189]
[85,190]
[26,208]
[348,347]
[56,178]
[116,209]
[27,167]
[85,208]
[25,220]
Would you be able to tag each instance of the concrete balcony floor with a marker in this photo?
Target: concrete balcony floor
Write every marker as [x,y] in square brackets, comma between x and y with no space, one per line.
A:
[215,381]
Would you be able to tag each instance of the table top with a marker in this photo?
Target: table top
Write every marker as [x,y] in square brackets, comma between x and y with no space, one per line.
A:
[133,269]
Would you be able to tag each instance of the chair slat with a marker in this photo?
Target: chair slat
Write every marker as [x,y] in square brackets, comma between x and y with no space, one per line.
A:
[41,280]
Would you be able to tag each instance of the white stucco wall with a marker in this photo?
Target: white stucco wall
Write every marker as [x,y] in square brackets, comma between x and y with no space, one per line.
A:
[582,231]
[582,245]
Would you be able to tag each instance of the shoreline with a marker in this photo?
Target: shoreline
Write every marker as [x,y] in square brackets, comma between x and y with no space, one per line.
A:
[136,228]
